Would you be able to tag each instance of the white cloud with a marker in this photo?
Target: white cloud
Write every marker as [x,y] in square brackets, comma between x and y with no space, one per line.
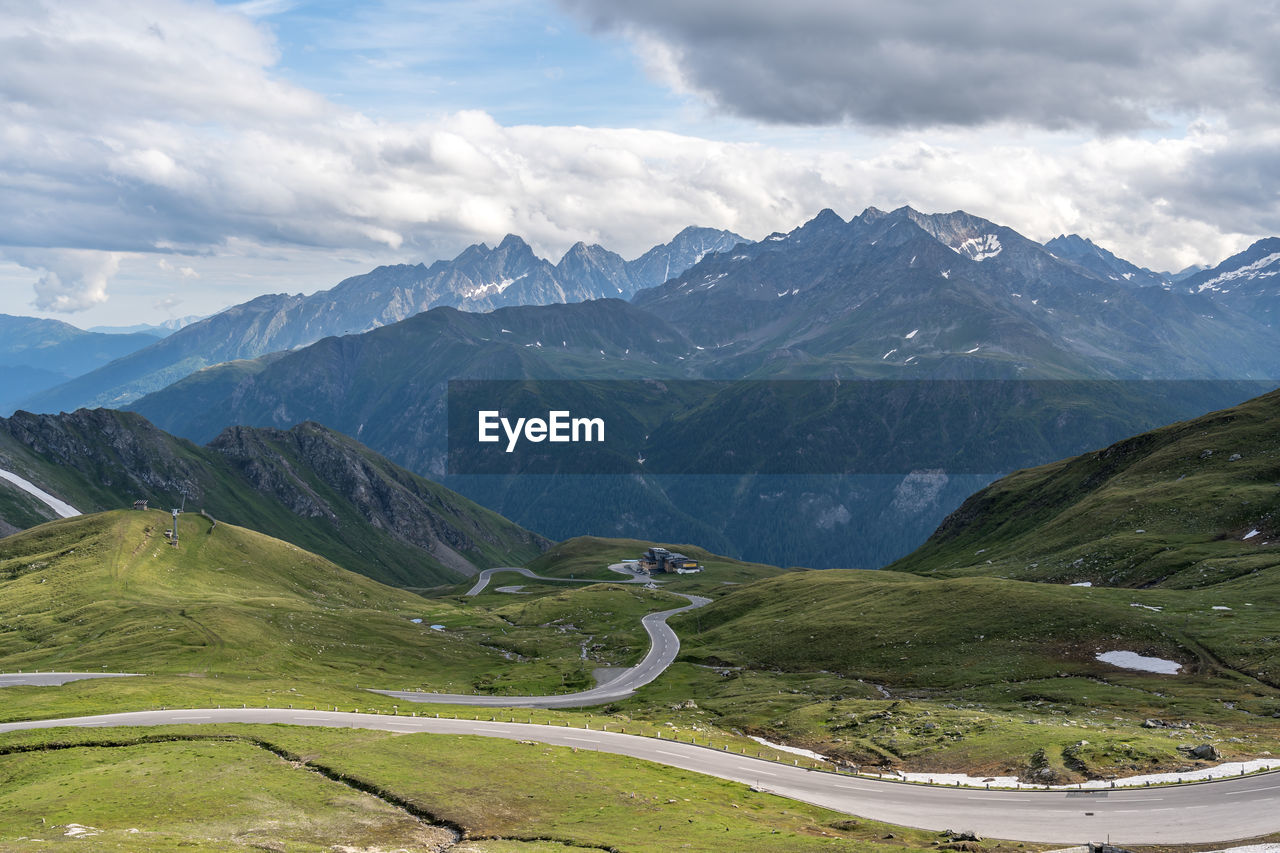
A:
[184,271]
[162,125]
[70,280]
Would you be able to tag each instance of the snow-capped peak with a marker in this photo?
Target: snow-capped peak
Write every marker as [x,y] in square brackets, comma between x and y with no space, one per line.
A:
[1248,271]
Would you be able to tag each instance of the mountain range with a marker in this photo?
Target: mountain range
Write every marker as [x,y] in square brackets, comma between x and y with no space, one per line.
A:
[896,295]
[887,295]
[479,279]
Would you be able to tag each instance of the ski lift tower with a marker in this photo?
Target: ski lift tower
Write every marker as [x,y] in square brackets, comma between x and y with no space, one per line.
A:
[177,511]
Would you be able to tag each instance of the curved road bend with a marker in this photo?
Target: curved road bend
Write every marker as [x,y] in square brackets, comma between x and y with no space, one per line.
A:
[1201,813]
[664,645]
[482,580]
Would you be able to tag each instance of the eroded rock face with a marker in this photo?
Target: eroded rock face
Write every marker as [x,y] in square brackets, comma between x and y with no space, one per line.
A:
[117,450]
[296,466]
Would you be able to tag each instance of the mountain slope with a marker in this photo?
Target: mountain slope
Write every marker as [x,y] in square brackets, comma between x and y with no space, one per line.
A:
[1246,282]
[665,262]
[1099,261]
[311,486]
[36,354]
[479,279]
[1187,505]
[387,386]
[108,589]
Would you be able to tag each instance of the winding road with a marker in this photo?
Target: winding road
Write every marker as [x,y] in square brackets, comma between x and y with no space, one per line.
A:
[482,579]
[664,645]
[1200,813]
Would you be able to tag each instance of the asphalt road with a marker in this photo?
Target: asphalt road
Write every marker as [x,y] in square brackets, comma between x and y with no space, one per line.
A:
[663,647]
[482,580]
[1211,812]
[53,679]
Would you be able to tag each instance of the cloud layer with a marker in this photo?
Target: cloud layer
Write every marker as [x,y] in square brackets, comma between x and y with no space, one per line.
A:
[1110,65]
[164,126]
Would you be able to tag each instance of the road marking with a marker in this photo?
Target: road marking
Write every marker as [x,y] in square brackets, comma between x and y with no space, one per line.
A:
[1252,791]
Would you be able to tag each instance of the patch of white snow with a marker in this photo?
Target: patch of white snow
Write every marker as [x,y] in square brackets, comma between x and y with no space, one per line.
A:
[1133,660]
[62,508]
[1249,271]
[794,750]
[980,248]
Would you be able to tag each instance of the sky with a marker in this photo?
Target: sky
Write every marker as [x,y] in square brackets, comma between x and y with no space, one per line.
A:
[164,158]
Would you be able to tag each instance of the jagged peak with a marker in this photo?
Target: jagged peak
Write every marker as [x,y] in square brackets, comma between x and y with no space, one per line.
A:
[513,241]
[824,217]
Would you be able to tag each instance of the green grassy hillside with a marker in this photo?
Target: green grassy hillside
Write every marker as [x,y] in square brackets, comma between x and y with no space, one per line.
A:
[107,590]
[984,674]
[1174,507]
[307,790]
[954,634]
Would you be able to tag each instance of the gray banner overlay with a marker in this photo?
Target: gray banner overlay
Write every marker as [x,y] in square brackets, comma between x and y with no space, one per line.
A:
[747,427]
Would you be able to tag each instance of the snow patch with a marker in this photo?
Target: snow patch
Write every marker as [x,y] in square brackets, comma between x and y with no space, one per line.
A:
[1083,583]
[972,351]
[1252,533]
[1146,606]
[1220,607]
[794,750]
[492,288]
[889,353]
[946,273]
[1133,660]
[979,248]
[1249,271]
[62,508]
[911,334]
